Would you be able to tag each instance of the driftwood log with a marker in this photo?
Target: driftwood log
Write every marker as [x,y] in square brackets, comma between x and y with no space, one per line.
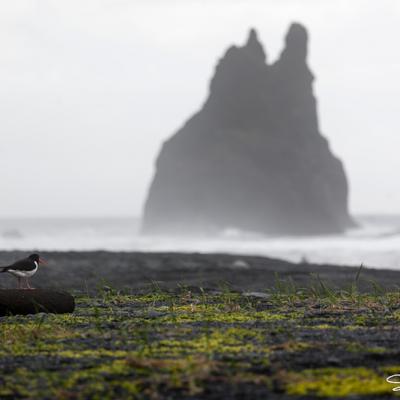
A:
[23,302]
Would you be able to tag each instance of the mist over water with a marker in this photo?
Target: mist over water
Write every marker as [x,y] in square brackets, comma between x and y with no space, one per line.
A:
[376,243]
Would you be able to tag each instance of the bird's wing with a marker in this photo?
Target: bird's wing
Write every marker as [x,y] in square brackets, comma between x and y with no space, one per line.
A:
[22,265]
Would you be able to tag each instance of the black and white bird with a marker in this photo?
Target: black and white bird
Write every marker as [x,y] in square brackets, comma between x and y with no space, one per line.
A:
[24,269]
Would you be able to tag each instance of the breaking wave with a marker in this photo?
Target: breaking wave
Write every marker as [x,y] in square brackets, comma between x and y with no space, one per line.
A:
[376,243]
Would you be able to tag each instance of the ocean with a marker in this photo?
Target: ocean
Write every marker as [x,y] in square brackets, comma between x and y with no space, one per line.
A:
[376,243]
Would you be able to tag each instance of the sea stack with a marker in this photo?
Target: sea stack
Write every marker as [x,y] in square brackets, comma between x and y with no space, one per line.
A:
[253,157]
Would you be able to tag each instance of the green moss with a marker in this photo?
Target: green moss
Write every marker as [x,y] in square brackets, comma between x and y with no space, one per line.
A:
[98,353]
[216,313]
[355,347]
[162,344]
[232,341]
[337,382]
[321,327]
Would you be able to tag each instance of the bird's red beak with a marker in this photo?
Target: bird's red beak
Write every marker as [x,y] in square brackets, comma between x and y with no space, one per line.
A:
[41,261]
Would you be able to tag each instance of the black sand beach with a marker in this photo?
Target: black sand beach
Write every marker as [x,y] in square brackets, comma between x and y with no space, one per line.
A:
[85,271]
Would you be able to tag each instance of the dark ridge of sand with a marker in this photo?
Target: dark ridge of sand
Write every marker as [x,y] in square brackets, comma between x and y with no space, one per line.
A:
[87,271]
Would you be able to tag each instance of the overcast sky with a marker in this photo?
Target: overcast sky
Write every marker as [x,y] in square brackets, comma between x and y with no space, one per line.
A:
[90,89]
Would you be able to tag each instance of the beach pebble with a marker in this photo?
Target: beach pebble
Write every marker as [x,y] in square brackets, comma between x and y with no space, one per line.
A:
[257,294]
[240,264]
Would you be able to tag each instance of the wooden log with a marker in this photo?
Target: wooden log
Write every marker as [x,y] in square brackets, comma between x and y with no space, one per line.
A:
[24,301]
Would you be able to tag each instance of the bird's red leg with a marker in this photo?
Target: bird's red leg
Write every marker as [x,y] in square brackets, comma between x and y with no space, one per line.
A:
[28,285]
[19,283]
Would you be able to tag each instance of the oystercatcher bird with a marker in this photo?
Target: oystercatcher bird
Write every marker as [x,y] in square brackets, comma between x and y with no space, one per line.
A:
[24,269]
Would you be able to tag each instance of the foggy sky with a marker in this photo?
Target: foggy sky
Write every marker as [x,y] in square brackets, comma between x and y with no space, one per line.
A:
[90,89]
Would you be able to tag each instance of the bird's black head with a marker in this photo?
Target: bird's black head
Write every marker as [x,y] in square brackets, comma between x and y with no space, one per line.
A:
[35,257]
